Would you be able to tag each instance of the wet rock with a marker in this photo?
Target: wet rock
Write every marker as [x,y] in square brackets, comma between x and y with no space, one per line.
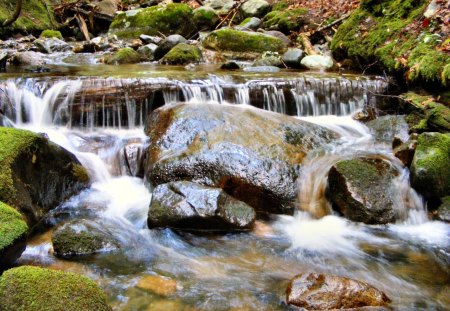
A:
[386,128]
[430,168]
[182,54]
[81,238]
[99,44]
[242,41]
[230,66]
[150,39]
[205,18]
[13,235]
[325,292]
[362,190]
[250,23]
[158,285]
[28,58]
[37,69]
[173,18]
[188,205]
[443,211]
[257,8]
[131,159]
[124,56]
[167,44]
[405,151]
[33,289]
[147,52]
[253,155]
[3,60]
[292,57]
[37,175]
[262,69]
[317,62]
[269,59]
[52,45]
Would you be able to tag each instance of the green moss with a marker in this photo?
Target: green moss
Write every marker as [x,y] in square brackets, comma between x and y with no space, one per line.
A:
[35,289]
[280,6]
[124,56]
[34,18]
[205,18]
[182,54]
[168,19]
[286,20]
[242,41]
[51,34]
[12,143]
[80,173]
[12,226]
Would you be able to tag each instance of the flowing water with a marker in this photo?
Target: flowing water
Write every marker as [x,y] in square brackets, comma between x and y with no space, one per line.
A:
[101,121]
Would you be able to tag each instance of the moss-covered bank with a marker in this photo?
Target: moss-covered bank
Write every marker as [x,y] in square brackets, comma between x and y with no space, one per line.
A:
[36,289]
[393,34]
[13,233]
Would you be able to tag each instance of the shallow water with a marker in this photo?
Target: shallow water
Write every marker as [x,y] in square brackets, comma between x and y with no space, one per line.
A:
[409,260]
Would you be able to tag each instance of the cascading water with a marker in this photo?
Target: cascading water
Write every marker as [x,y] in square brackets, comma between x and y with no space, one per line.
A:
[407,260]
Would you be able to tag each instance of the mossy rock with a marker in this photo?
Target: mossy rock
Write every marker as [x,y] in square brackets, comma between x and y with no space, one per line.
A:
[242,41]
[167,19]
[81,238]
[205,18]
[51,34]
[13,234]
[37,175]
[443,211]
[30,288]
[124,56]
[285,20]
[182,54]
[392,40]
[430,169]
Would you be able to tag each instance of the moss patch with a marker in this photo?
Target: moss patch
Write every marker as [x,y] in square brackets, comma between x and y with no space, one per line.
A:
[124,56]
[35,289]
[286,20]
[168,19]
[12,226]
[242,41]
[182,54]
[51,34]
[205,18]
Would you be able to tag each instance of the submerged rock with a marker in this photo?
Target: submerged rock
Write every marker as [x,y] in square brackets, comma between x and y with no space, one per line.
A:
[187,205]
[430,168]
[81,238]
[182,54]
[37,175]
[13,235]
[325,292]
[262,69]
[36,289]
[158,285]
[362,190]
[253,155]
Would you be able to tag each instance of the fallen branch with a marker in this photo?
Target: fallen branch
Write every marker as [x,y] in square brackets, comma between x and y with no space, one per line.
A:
[333,23]
[83,26]
[15,15]
[307,44]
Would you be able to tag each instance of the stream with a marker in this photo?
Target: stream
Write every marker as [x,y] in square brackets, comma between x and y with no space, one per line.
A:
[101,118]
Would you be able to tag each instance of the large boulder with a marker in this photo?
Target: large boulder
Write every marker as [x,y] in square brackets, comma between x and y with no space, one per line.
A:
[315,291]
[385,128]
[285,21]
[174,18]
[81,238]
[52,45]
[13,235]
[36,174]
[36,289]
[182,54]
[254,155]
[362,190]
[124,56]
[242,41]
[28,58]
[188,205]
[430,168]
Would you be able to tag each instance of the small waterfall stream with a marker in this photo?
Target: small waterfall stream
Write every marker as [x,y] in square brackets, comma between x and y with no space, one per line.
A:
[101,121]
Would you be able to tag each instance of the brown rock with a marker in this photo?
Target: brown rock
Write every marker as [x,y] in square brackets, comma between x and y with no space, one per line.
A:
[324,292]
[158,285]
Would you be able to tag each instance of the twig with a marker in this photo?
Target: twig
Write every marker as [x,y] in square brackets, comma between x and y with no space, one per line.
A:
[333,23]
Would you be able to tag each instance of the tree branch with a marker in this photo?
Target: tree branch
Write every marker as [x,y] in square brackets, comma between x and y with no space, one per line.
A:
[15,15]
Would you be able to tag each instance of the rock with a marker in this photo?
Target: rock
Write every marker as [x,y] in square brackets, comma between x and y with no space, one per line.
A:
[51,34]
[174,18]
[325,292]
[147,52]
[242,41]
[277,34]
[257,8]
[230,66]
[131,159]
[81,238]
[253,155]
[35,289]
[28,58]
[430,168]
[158,285]
[269,59]
[405,151]
[385,128]
[150,39]
[107,7]
[443,211]
[13,235]
[182,54]
[250,23]
[124,56]
[362,190]
[292,57]
[205,18]
[317,62]
[187,205]
[52,45]
[262,69]
[167,44]
[36,175]
[285,21]
[220,6]
[99,44]
[3,60]
[37,69]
